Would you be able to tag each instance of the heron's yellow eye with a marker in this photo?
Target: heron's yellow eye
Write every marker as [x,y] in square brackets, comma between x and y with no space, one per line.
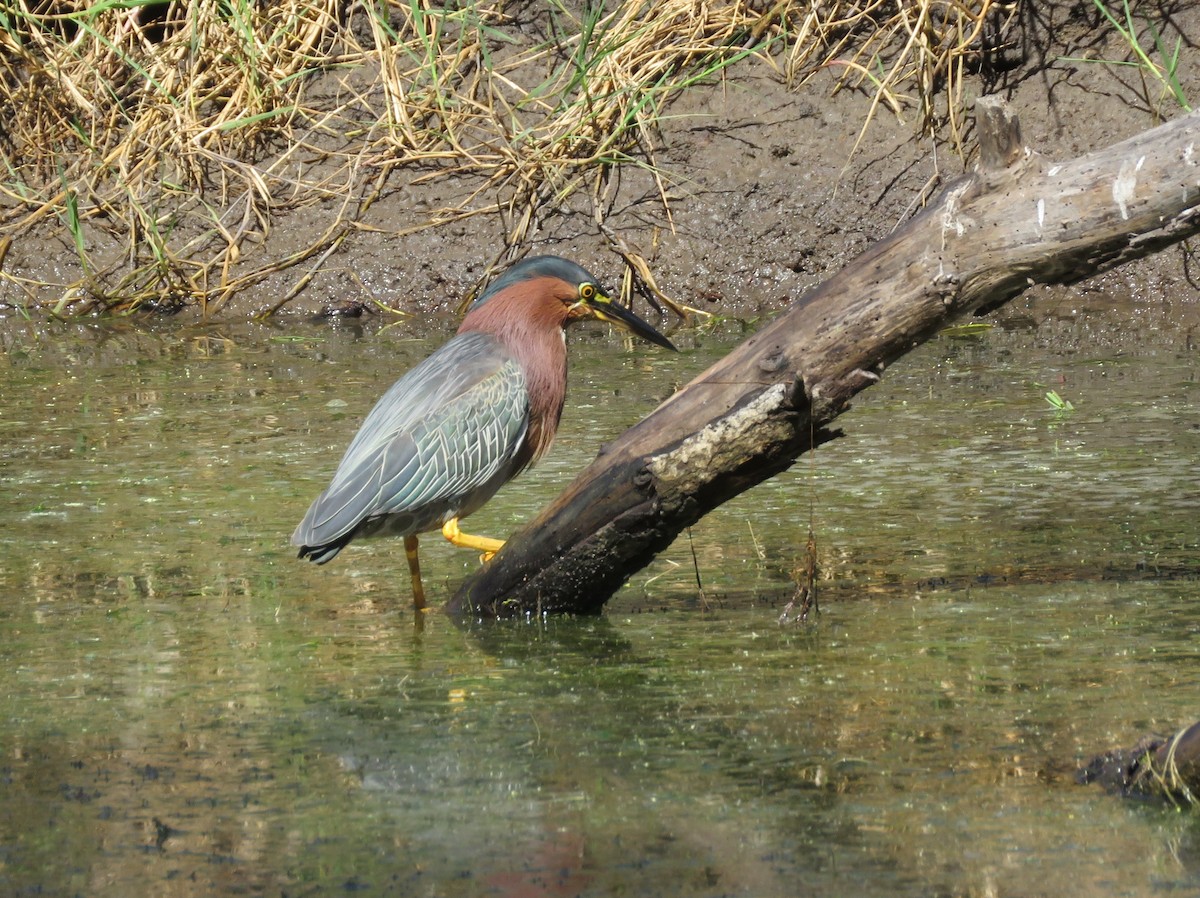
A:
[587,291]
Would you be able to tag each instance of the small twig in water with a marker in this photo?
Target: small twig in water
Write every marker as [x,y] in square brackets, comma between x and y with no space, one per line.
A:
[696,568]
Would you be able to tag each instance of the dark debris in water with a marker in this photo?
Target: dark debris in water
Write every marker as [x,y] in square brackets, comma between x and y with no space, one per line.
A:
[1155,767]
[335,311]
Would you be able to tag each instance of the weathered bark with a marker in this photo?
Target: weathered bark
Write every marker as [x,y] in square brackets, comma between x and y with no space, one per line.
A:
[1018,219]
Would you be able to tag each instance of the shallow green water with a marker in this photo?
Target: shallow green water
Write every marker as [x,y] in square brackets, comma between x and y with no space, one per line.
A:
[1008,589]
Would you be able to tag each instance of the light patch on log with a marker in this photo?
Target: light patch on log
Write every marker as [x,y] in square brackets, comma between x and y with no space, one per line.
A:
[953,221]
[706,452]
[1125,186]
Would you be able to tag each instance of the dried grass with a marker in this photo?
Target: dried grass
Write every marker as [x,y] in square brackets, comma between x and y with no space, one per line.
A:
[180,131]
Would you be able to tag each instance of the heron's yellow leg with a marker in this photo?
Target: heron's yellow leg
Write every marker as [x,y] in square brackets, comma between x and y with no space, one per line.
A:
[484,544]
[414,568]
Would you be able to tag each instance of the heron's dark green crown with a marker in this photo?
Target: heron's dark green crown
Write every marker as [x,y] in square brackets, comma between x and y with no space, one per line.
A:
[538,267]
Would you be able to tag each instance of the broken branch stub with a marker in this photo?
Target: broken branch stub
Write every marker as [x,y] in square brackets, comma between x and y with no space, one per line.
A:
[1015,221]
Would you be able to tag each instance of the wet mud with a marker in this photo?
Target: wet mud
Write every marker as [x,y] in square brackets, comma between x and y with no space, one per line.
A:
[770,190]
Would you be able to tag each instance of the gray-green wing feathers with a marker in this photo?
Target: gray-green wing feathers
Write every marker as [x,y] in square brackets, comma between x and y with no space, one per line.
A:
[440,442]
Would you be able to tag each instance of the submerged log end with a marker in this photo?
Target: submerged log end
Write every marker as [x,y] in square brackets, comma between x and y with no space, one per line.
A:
[1000,141]
[531,578]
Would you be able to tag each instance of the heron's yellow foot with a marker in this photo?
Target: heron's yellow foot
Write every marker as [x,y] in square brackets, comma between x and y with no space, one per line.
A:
[484,544]
[414,569]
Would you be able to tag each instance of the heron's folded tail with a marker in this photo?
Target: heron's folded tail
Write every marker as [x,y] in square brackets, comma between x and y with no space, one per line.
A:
[327,552]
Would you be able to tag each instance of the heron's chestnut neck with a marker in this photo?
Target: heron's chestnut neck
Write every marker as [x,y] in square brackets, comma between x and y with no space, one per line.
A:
[528,318]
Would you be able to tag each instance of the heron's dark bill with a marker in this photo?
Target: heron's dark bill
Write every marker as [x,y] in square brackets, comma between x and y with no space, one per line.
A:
[607,310]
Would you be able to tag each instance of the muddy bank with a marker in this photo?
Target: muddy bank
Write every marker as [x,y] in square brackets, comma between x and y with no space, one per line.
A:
[768,193]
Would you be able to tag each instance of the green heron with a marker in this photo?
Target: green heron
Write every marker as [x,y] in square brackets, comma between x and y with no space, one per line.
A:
[468,419]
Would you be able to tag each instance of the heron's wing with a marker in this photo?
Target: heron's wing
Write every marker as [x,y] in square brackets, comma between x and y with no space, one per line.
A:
[448,426]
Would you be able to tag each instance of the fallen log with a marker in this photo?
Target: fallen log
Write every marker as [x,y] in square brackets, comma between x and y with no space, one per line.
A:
[1017,220]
